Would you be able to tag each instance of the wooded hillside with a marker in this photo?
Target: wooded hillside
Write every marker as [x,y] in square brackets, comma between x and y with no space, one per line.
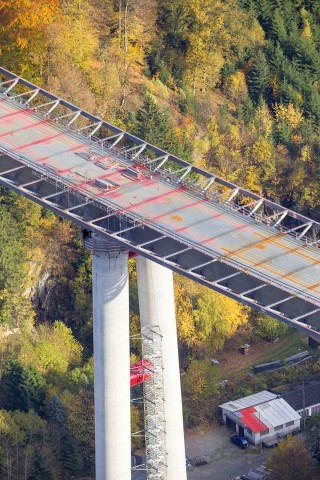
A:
[232,86]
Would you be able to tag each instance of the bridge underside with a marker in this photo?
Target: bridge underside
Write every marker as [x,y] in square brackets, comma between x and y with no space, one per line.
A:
[159,206]
[151,243]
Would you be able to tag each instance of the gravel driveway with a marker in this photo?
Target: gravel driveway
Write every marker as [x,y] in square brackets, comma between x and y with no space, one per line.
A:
[225,460]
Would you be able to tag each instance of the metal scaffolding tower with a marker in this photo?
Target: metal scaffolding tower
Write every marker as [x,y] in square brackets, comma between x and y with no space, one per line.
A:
[154,417]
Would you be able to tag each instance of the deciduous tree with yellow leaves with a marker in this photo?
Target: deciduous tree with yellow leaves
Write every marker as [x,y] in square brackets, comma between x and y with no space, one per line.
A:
[205,318]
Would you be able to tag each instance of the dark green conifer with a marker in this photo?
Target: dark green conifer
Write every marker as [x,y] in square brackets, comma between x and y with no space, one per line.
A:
[283,133]
[276,56]
[69,455]
[40,470]
[288,94]
[258,78]
[312,105]
[55,411]
[24,387]
[278,28]
[151,124]
[264,11]
[175,20]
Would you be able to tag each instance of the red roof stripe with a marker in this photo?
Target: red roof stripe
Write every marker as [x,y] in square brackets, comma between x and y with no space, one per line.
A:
[251,420]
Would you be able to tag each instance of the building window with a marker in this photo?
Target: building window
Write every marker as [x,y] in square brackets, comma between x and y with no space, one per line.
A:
[279,427]
[289,424]
[264,433]
[249,431]
[315,409]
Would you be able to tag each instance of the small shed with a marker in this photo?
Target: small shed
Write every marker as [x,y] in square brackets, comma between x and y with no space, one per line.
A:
[263,417]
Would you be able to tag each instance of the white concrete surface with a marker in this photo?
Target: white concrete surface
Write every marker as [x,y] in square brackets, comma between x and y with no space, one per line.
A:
[111,365]
[156,302]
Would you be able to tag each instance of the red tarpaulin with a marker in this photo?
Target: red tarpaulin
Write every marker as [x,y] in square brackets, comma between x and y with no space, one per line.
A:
[140,372]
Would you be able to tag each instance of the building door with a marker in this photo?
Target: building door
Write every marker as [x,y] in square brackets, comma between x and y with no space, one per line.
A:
[241,430]
[231,424]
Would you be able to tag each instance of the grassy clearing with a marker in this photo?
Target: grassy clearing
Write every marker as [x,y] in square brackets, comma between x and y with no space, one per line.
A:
[288,345]
[233,364]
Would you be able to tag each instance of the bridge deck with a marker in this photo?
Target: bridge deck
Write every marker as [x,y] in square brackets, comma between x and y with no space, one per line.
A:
[43,159]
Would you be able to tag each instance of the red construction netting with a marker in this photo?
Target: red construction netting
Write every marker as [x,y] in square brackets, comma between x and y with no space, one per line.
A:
[140,372]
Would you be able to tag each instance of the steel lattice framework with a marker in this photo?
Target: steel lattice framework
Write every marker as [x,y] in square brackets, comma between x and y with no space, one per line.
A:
[158,205]
[153,401]
[153,396]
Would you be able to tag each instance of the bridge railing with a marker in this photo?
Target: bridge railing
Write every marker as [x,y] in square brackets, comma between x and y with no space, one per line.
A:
[46,173]
[127,148]
[107,137]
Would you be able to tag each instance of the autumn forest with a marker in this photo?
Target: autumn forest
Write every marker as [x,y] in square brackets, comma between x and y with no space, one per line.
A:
[232,86]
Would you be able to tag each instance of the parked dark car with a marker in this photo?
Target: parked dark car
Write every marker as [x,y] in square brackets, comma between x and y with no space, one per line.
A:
[240,441]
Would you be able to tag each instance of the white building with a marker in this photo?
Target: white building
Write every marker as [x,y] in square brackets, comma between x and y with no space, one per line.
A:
[263,417]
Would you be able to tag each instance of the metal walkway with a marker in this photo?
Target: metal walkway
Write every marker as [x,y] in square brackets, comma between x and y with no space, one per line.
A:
[158,205]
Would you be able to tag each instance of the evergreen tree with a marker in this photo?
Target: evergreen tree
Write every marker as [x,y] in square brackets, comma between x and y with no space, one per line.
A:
[151,124]
[40,470]
[69,455]
[278,29]
[246,111]
[291,72]
[249,5]
[264,11]
[283,133]
[24,387]
[157,63]
[308,59]
[55,411]
[288,94]
[291,45]
[175,20]
[276,57]
[258,78]
[312,105]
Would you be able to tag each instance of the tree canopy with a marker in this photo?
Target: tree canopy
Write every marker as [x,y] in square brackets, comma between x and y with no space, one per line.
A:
[232,87]
[291,461]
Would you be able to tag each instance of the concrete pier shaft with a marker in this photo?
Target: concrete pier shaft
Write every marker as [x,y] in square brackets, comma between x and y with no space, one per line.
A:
[111,358]
[156,303]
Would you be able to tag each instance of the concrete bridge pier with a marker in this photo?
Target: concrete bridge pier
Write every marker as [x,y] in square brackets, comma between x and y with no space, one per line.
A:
[111,358]
[156,302]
